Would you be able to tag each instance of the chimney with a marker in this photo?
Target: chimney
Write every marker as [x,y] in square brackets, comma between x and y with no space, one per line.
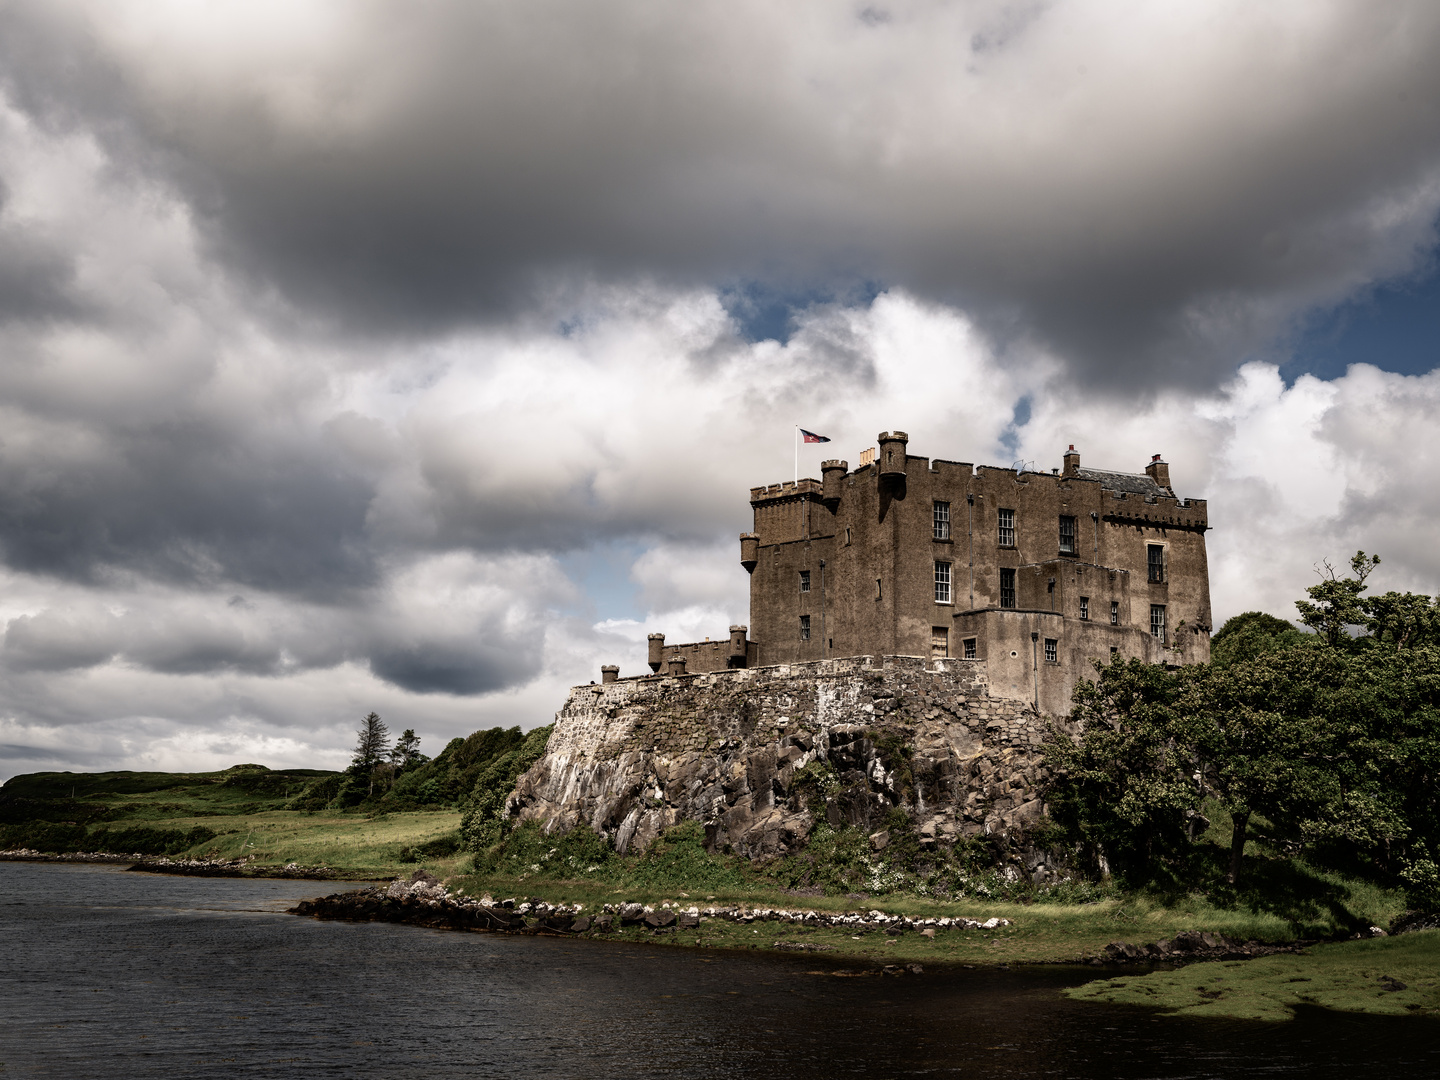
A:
[1072,461]
[1158,471]
[609,672]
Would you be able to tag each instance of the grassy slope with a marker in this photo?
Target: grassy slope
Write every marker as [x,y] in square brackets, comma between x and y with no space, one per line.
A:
[244,808]
[1347,976]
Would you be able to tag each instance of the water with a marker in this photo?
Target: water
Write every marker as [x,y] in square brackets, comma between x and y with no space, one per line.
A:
[105,973]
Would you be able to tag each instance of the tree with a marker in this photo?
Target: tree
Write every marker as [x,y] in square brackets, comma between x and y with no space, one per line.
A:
[1248,635]
[1126,787]
[1336,600]
[1403,620]
[406,752]
[371,748]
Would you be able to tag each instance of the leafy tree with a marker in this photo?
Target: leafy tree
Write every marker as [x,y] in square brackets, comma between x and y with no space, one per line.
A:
[1402,620]
[1246,636]
[405,754]
[371,748]
[1126,785]
[1335,604]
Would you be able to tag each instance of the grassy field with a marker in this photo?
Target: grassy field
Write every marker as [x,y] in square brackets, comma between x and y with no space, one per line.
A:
[348,845]
[233,814]
[1397,976]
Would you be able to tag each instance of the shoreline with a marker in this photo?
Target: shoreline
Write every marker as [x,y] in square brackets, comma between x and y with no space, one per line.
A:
[164,864]
[872,937]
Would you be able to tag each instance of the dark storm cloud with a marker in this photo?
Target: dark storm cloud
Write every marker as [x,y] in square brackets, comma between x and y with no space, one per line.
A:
[1149,186]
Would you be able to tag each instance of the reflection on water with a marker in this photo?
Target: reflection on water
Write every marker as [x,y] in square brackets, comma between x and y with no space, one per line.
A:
[108,973]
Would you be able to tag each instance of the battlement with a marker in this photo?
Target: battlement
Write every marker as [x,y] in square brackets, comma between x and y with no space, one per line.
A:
[790,489]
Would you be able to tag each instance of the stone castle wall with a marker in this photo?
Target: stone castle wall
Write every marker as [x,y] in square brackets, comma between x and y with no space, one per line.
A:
[731,749]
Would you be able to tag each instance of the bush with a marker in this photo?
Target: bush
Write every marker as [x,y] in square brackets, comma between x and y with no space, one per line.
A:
[484,823]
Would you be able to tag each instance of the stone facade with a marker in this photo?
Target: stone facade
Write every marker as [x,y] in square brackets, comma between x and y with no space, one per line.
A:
[1037,574]
[633,757]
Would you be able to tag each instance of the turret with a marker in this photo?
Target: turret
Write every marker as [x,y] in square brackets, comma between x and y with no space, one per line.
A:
[892,455]
[1158,471]
[833,473]
[677,665]
[1072,462]
[657,651]
[749,552]
[609,672]
[738,650]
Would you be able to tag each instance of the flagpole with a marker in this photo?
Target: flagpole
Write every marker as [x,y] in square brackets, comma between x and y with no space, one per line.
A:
[797,454]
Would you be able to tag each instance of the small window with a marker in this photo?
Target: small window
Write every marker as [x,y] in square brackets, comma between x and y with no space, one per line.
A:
[1006,536]
[847,535]
[879,592]
[804,627]
[969,648]
[1084,608]
[804,580]
[940,641]
[1157,622]
[1067,535]
[1114,650]
[1052,651]
[1155,562]
[942,583]
[1007,588]
[942,521]
[1114,612]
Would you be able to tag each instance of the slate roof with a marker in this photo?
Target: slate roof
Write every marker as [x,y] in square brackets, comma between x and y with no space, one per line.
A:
[1133,483]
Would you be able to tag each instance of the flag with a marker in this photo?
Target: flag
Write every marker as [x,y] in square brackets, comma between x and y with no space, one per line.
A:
[810,436]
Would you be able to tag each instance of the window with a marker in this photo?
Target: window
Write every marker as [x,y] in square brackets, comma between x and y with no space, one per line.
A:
[942,521]
[1052,651]
[804,580]
[942,583]
[879,593]
[1067,535]
[1114,612]
[804,627]
[1155,562]
[1157,622]
[847,535]
[939,641]
[969,648]
[1007,588]
[1084,608]
[1114,650]
[1007,528]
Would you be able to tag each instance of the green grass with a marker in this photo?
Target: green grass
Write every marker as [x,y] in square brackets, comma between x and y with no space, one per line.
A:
[1349,976]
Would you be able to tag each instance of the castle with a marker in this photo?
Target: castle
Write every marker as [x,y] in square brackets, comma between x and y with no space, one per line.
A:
[1031,575]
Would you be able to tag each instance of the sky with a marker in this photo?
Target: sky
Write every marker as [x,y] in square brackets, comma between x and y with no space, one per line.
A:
[418,357]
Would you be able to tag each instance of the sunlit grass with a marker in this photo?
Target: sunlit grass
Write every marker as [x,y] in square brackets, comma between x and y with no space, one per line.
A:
[1350,976]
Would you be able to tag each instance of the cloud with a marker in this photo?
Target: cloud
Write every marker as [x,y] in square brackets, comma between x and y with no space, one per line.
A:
[1151,189]
[355,358]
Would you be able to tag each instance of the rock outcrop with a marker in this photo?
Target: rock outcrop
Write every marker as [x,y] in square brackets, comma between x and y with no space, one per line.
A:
[759,754]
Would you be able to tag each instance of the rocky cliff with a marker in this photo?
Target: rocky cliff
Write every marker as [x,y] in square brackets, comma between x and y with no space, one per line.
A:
[758,754]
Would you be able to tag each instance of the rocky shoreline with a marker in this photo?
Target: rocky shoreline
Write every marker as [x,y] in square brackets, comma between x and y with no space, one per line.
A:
[424,901]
